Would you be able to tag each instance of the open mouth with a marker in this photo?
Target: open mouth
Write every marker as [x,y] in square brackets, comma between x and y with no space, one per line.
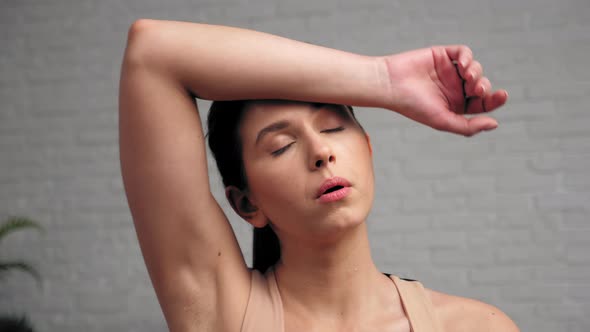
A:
[333,189]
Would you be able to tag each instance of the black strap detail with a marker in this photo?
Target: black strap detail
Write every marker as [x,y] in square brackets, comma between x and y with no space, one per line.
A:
[406,279]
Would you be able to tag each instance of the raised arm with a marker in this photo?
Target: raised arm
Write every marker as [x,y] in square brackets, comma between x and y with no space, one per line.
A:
[192,256]
[191,253]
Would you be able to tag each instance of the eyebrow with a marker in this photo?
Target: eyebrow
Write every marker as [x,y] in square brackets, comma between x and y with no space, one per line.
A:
[273,127]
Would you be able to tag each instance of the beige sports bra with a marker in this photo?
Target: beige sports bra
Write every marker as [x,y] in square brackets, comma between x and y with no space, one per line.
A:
[264,312]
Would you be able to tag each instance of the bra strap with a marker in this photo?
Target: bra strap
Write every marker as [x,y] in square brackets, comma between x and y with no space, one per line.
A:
[417,305]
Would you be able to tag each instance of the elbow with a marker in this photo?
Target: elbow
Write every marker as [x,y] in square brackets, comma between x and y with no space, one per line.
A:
[139,39]
[140,28]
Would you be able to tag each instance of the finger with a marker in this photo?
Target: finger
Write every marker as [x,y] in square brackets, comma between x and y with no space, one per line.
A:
[473,72]
[495,100]
[488,103]
[475,105]
[462,55]
[482,123]
[445,68]
[479,88]
[462,125]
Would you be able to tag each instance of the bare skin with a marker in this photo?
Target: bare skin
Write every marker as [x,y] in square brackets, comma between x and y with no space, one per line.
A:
[190,250]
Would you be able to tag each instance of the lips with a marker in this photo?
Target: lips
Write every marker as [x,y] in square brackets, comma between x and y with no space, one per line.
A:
[332,184]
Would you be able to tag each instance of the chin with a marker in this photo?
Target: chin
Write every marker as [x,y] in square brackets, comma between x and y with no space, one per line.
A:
[341,222]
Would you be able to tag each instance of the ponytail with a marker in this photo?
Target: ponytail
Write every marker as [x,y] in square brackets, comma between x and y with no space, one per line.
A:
[266,248]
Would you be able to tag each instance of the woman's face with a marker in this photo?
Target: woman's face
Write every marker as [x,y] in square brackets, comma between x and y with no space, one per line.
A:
[289,151]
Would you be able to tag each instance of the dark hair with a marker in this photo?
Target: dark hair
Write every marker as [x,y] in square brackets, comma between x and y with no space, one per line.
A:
[223,123]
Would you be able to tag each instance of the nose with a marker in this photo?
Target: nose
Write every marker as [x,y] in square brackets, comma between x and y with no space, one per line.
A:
[321,154]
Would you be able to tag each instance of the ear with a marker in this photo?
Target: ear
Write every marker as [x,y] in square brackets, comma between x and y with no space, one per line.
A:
[242,204]
[369,143]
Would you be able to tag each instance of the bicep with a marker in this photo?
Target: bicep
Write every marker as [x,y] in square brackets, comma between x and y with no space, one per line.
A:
[188,245]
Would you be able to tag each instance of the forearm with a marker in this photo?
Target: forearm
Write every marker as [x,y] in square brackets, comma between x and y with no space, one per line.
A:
[224,63]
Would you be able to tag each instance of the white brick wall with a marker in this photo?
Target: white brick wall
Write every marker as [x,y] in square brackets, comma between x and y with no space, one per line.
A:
[502,217]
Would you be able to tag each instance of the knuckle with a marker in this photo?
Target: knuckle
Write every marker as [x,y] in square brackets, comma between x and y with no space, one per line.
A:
[466,49]
[477,66]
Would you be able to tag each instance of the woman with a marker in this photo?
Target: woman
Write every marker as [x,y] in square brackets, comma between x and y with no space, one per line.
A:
[302,169]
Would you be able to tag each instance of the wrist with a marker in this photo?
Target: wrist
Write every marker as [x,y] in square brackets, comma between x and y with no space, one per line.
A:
[366,83]
[385,92]
[400,74]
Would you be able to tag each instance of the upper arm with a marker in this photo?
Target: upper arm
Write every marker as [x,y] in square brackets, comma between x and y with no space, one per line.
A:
[190,250]
[462,314]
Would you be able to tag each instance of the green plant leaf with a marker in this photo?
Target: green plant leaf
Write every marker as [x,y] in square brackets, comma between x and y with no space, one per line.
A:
[15,223]
[19,265]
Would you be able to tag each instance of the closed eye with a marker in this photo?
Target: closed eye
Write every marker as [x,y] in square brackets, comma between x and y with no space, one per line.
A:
[281,150]
[332,130]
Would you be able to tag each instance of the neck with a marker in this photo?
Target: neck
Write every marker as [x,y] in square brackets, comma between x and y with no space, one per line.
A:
[331,280]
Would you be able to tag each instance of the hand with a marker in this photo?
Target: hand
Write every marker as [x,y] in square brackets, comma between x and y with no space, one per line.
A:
[439,86]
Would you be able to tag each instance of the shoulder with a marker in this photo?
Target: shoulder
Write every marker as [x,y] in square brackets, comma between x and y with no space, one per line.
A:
[463,314]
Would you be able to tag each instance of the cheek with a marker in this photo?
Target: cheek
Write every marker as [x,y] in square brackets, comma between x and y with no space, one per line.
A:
[275,186]
[360,162]
[355,149]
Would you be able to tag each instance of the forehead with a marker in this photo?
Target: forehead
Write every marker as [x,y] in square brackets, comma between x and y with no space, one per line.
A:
[260,113]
